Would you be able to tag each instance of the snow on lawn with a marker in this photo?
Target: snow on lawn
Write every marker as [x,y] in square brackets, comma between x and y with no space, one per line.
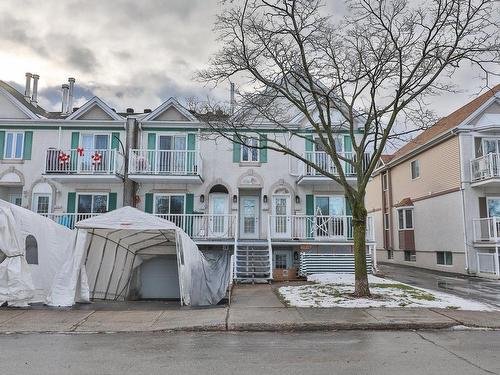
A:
[335,289]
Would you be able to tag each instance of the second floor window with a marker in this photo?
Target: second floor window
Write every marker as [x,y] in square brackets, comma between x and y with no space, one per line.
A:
[415,169]
[14,145]
[92,203]
[248,151]
[405,218]
[384,182]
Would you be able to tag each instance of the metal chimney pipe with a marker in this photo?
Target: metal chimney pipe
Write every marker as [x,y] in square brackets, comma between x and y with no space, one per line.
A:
[34,96]
[232,103]
[65,90]
[27,90]
[71,94]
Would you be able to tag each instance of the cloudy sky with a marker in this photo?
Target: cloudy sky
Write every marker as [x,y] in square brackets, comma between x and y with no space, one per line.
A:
[130,53]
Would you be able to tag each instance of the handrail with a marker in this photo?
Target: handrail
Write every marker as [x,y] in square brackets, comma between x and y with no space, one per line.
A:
[165,162]
[80,161]
[485,167]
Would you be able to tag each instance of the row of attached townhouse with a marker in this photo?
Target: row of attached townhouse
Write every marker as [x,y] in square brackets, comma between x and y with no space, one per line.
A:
[273,212]
[436,201]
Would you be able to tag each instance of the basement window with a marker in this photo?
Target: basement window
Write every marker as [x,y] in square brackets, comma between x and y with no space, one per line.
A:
[410,256]
[444,258]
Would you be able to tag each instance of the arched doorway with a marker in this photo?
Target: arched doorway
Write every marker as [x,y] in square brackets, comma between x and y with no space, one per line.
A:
[219,211]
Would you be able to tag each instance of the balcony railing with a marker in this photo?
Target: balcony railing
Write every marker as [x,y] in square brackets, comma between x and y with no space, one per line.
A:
[165,162]
[485,167]
[88,162]
[486,229]
[317,227]
[69,220]
[324,161]
[204,226]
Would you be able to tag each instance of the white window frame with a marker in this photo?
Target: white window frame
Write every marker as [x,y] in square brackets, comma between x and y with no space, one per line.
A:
[14,145]
[386,221]
[173,135]
[250,149]
[385,182]
[488,199]
[444,259]
[418,169]
[496,140]
[92,205]
[93,134]
[339,138]
[34,201]
[169,206]
[330,197]
[404,209]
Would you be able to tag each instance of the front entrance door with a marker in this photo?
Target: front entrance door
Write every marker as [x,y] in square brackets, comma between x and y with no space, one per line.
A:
[249,216]
[280,224]
[218,215]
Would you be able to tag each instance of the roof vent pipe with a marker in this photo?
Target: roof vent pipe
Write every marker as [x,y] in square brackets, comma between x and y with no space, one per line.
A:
[65,91]
[34,96]
[27,91]
[71,93]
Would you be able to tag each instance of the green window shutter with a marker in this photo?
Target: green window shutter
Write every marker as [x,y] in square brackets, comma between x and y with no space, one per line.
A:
[347,143]
[71,204]
[263,151]
[191,142]
[310,213]
[112,198]
[75,140]
[28,143]
[151,141]
[236,151]
[191,146]
[189,203]
[148,203]
[115,141]
[348,207]
[2,143]
[309,143]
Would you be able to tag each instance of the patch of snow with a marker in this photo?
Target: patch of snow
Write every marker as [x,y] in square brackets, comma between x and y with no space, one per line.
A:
[334,289]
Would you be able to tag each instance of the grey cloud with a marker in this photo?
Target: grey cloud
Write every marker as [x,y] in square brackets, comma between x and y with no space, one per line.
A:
[82,58]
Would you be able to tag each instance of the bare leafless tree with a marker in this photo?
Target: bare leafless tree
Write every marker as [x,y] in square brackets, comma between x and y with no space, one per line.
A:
[367,75]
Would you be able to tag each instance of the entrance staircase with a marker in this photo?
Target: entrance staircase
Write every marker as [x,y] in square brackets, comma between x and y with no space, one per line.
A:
[252,262]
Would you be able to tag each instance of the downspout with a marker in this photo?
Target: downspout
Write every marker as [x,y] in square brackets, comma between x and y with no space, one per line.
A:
[462,193]
[129,186]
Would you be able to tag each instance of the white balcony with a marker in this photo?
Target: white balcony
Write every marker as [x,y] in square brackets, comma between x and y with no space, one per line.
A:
[486,230]
[316,228]
[86,166]
[167,166]
[204,226]
[310,176]
[485,170]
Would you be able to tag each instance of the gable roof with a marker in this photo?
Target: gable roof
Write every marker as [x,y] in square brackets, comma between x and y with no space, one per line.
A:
[32,111]
[95,101]
[446,123]
[170,103]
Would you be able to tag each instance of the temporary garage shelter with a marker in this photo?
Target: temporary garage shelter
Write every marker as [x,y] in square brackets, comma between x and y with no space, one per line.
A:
[130,254]
[32,251]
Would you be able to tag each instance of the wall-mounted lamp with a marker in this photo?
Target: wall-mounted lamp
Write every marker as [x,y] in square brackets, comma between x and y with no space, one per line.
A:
[297,199]
[202,198]
[235,198]
[264,198]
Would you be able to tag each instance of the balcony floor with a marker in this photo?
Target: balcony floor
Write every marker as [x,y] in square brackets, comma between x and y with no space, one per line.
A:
[322,181]
[166,179]
[490,182]
[83,178]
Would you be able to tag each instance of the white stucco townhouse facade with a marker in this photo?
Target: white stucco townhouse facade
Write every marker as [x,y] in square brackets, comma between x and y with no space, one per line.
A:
[278,217]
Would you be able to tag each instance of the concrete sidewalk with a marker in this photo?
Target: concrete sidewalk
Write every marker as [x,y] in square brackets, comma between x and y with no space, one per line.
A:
[253,308]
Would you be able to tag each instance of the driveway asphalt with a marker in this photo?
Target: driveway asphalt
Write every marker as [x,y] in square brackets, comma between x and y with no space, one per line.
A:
[270,353]
[470,287]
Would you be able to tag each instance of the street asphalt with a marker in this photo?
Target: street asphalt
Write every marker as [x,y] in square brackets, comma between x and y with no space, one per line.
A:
[469,287]
[347,352]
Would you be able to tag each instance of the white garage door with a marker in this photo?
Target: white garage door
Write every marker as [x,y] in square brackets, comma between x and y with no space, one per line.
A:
[160,278]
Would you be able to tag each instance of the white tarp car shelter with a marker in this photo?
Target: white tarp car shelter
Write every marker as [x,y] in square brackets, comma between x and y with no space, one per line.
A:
[27,237]
[110,256]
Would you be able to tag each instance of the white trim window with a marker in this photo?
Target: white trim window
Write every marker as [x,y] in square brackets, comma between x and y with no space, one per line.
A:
[171,207]
[92,203]
[385,183]
[249,152]
[14,145]
[386,221]
[444,258]
[42,203]
[405,218]
[415,169]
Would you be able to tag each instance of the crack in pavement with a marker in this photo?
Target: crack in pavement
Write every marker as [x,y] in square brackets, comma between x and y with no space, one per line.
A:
[454,354]
[75,326]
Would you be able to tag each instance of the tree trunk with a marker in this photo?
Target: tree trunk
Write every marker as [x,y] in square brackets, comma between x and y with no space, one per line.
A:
[359,215]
